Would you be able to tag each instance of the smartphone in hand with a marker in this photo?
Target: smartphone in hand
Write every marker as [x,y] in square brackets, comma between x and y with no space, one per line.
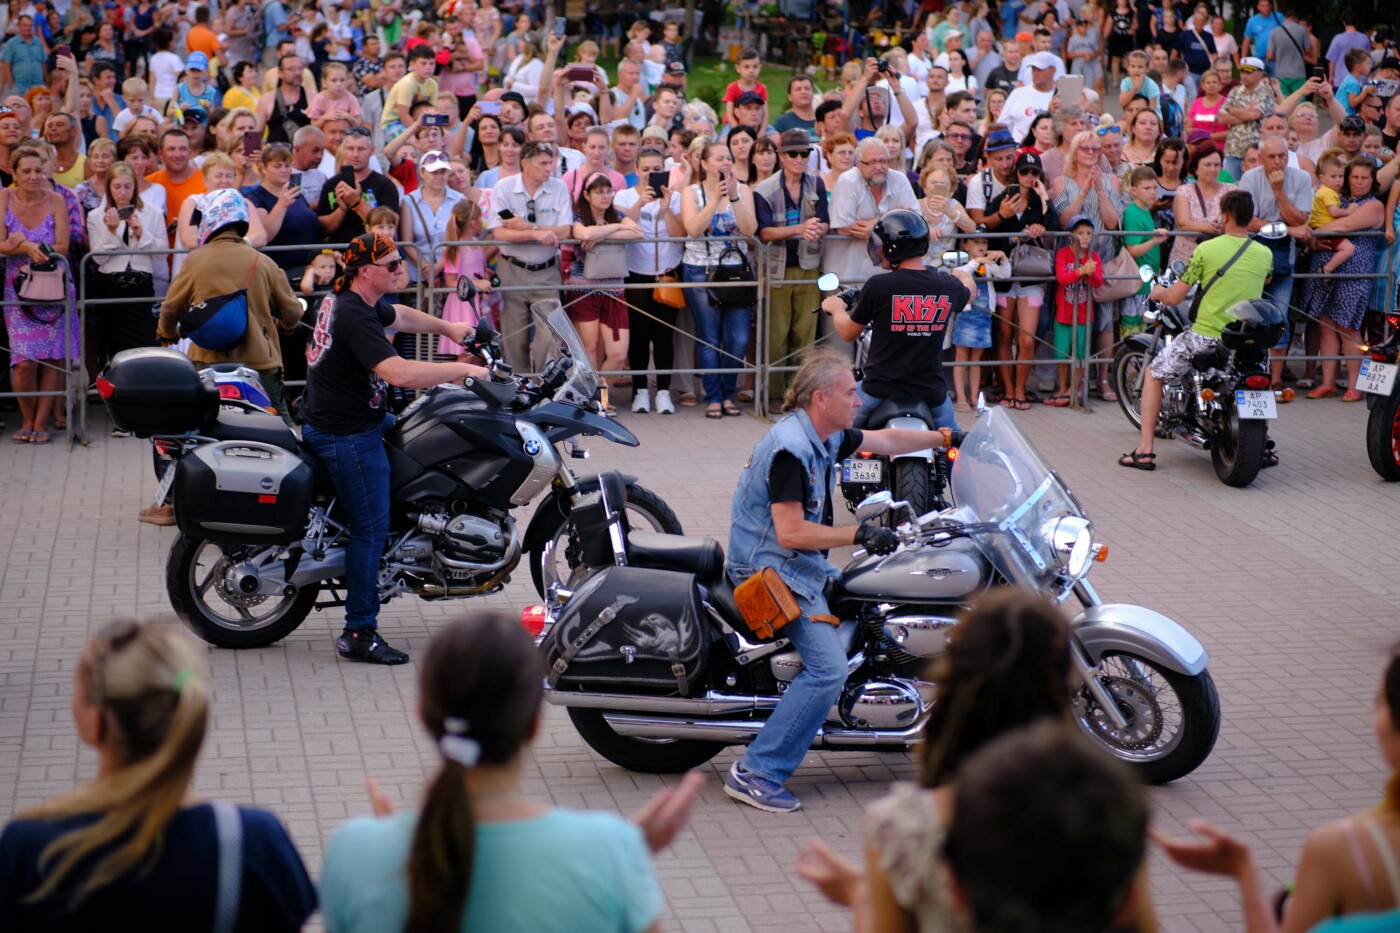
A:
[294,180]
[658,180]
[560,24]
[252,142]
[124,212]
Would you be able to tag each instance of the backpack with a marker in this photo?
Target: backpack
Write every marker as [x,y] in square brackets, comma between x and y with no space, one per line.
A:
[1173,117]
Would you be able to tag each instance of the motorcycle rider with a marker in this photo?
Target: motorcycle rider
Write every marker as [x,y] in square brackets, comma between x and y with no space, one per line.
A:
[1250,265]
[781,519]
[344,412]
[908,308]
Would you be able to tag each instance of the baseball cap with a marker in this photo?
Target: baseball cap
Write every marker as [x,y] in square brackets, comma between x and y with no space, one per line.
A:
[1028,160]
[1251,64]
[1352,124]
[951,33]
[794,141]
[1080,220]
[748,97]
[675,68]
[195,115]
[515,96]
[197,61]
[435,161]
[1197,136]
[998,140]
[1024,37]
[1041,60]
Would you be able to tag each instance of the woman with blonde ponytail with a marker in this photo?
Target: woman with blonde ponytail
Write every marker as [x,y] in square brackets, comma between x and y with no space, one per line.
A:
[137,849]
[481,855]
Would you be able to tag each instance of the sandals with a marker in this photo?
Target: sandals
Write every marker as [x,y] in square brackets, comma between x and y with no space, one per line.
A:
[1020,404]
[731,410]
[1138,461]
[1058,401]
[1322,392]
[21,437]
[1352,395]
[39,437]
[962,406]
[1270,460]
[1106,391]
[745,396]
[689,400]
[1306,384]
[714,411]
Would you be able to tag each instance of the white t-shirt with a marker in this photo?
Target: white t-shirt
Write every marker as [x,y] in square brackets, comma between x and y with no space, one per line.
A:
[165,70]
[123,119]
[918,70]
[1024,75]
[650,258]
[1021,107]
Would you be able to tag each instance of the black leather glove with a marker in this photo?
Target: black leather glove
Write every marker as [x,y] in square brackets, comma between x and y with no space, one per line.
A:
[957,438]
[877,539]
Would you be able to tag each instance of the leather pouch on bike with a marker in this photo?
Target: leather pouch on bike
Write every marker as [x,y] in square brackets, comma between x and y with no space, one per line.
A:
[766,603]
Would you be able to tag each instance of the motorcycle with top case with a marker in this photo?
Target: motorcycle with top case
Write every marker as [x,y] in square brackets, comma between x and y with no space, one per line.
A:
[652,659]
[263,537]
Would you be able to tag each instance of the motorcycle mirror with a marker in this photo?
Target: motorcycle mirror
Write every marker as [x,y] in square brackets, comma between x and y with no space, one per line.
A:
[466,288]
[877,503]
[1178,267]
[953,258]
[829,282]
[1274,231]
[1145,273]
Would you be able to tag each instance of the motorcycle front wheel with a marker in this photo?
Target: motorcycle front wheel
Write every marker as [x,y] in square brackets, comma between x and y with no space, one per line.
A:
[1383,437]
[647,756]
[559,558]
[1128,364]
[1173,719]
[1238,450]
[196,579]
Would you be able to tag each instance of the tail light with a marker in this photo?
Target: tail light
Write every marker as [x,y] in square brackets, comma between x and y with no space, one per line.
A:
[1379,354]
[226,390]
[532,620]
[105,388]
[1393,320]
[865,455]
[1257,381]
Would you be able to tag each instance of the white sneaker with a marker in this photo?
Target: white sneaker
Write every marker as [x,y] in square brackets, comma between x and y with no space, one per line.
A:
[663,403]
[641,402]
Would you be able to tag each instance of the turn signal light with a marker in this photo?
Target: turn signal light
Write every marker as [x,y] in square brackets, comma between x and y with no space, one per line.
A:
[105,388]
[532,620]
[952,453]
[1101,552]
[1208,395]
[1287,395]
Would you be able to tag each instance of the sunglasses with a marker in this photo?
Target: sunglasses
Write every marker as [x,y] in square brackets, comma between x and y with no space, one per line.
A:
[960,137]
[1105,130]
[530,210]
[393,265]
[798,153]
[359,131]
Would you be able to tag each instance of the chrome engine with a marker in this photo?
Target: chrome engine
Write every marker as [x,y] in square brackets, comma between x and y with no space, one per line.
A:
[889,704]
[452,555]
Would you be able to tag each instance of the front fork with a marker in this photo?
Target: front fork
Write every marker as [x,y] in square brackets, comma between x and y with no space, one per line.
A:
[1087,670]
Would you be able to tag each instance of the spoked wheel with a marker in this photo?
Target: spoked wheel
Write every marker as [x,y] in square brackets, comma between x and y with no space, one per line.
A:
[560,558]
[202,579]
[649,756]
[1128,364]
[1383,437]
[1238,449]
[1172,719]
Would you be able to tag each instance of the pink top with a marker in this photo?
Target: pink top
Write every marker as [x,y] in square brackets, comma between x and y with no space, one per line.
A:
[470,261]
[322,104]
[1204,117]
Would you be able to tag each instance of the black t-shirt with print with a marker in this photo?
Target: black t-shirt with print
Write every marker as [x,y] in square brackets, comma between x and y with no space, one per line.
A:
[909,311]
[377,188]
[343,394]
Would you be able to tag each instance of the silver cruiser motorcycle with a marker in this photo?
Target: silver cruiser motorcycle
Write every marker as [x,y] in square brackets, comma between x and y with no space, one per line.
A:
[658,672]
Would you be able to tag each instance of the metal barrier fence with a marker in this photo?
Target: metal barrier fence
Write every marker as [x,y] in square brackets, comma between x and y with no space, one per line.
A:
[759,363]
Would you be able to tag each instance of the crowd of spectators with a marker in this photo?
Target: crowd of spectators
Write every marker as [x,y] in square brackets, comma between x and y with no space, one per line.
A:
[1020,122]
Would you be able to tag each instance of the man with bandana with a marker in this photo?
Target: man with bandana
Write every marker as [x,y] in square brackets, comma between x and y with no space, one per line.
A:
[350,366]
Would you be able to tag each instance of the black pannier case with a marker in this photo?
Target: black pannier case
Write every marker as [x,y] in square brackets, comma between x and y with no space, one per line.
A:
[629,626]
[243,492]
[155,391]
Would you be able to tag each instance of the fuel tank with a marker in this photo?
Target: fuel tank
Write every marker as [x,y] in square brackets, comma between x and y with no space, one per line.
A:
[953,572]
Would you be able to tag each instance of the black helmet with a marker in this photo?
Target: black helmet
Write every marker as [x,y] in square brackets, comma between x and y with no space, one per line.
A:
[899,235]
[1253,323]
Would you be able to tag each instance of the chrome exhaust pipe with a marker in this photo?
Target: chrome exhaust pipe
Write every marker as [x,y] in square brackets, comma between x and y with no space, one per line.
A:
[712,704]
[742,732]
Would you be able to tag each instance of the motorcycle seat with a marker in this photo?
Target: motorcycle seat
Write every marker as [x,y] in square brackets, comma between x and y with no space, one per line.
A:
[721,594]
[701,556]
[1214,358]
[897,407]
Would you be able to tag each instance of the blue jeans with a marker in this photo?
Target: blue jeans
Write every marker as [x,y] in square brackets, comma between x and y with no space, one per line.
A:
[788,733]
[943,416]
[725,328]
[359,467]
[1279,292]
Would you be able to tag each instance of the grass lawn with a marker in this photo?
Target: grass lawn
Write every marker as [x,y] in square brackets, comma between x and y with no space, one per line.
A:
[709,76]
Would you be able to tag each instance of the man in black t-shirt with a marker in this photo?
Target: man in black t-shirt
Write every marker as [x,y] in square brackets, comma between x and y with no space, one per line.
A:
[342,206]
[908,310]
[350,366]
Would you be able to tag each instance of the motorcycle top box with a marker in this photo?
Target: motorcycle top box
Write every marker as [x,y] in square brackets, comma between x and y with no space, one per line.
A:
[243,492]
[155,391]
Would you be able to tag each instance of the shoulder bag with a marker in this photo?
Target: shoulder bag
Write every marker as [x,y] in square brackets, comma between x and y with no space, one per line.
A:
[41,282]
[219,323]
[1219,273]
[732,266]
[1120,278]
[665,293]
[1032,261]
[605,259]
[228,828]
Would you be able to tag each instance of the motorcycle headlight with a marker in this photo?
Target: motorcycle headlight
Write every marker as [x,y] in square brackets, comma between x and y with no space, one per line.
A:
[1072,540]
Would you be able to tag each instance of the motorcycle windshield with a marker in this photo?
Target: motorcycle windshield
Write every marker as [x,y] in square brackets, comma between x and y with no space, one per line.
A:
[582,384]
[1000,479]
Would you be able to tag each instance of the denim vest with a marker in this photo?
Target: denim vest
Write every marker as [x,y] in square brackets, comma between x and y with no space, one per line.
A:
[753,541]
[809,252]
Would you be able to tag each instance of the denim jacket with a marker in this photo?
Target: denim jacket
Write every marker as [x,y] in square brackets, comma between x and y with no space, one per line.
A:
[753,541]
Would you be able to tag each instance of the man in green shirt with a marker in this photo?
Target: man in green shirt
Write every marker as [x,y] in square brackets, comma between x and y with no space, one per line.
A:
[1244,282]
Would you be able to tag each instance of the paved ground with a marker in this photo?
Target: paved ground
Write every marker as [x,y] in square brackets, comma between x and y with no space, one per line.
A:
[1289,583]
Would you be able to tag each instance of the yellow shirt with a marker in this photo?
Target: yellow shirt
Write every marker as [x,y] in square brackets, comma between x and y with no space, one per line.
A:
[74,176]
[405,91]
[242,97]
[1324,199]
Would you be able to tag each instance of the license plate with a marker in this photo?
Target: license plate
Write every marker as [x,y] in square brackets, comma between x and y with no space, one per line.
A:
[862,471]
[1254,404]
[1376,378]
[166,482]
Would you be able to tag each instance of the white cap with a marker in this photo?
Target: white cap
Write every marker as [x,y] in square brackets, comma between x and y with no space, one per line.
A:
[1252,62]
[1041,60]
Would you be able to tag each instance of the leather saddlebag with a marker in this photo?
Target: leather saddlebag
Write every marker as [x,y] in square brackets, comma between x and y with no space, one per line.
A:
[630,627]
[766,603]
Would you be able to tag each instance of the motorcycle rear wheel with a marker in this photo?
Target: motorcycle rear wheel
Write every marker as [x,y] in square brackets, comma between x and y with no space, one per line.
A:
[1128,363]
[559,552]
[1383,437]
[1238,450]
[655,756]
[1173,719]
[910,479]
[192,573]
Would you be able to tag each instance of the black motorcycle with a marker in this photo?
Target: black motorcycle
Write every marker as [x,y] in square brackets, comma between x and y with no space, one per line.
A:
[1377,380]
[262,535]
[1224,402]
